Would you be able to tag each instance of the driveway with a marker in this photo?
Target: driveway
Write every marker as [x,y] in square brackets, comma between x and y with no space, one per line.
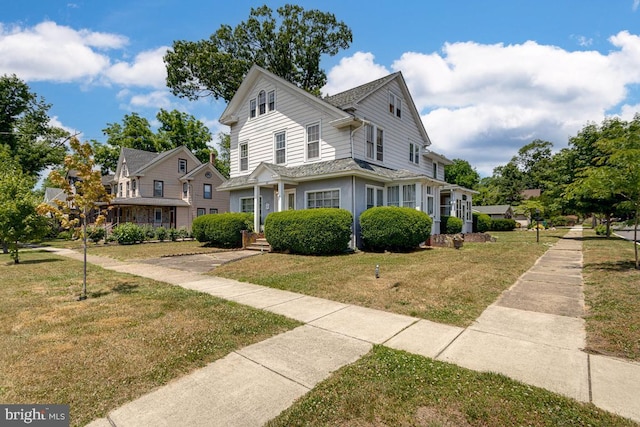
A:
[201,263]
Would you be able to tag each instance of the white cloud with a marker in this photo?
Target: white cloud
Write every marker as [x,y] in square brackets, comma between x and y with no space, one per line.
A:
[52,52]
[483,102]
[636,3]
[156,100]
[147,69]
[353,71]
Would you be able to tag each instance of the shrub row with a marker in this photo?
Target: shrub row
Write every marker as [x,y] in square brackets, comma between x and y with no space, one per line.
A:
[222,230]
[503,224]
[129,233]
[397,229]
[310,231]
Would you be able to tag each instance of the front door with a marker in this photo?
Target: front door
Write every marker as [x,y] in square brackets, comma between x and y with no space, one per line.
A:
[290,200]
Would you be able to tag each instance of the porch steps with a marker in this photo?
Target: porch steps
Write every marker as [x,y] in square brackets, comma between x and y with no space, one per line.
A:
[260,244]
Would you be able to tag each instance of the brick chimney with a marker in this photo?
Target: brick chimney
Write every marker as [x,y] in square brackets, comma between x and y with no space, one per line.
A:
[212,158]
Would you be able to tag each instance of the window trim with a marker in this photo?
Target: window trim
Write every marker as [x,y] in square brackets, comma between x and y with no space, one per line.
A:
[306,138]
[182,162]
[375,189]
[379,152]
[395,105]
[414,153]
[157,211]
[241,158]
[283,149]
[213,211]
[262,103]
[155,182]
[271,101]
[323,190]
[241,199]
[204,191]
[185,189]
[203,210]
[253,108]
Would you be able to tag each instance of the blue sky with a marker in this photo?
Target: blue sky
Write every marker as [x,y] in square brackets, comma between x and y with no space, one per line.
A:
[486,76]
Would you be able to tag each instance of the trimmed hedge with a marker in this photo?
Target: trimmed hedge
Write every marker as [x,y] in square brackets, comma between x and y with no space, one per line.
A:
[450,225]
[481,222]
[222,230]
[393,228]
[309,231]
[503,224]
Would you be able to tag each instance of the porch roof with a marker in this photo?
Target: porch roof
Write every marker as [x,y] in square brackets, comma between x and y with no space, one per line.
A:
[324,170]
[148,201]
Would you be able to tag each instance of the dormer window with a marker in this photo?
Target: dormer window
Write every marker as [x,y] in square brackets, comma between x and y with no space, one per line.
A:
[395,105]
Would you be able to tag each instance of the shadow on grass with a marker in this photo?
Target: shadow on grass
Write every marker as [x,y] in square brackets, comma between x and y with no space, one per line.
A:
[123,289]
[612,266]
[37,261]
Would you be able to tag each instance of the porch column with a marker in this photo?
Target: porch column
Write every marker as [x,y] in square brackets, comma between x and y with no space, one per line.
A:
[419,196]
[256,208]
[280,196]
[452,207]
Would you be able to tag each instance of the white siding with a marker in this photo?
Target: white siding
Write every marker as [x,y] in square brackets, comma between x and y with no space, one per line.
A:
[398,132]
[293,113]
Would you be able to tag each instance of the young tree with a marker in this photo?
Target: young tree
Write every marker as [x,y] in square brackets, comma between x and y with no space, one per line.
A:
[25,128]
[19,219]
[85,196]
[290,47]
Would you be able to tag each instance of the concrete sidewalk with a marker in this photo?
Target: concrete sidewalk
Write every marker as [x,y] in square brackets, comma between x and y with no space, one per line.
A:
[534,333]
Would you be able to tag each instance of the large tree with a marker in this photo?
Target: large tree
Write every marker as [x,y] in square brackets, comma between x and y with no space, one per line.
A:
[19,219]
[461,173]
[25,128]
[290,46]
[615,176]
[534,161]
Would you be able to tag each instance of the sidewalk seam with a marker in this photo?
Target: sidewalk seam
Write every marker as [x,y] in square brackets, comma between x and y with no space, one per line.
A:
[272,370]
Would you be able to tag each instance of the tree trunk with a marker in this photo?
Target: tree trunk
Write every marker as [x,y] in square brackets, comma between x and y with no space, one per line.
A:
[5,247]
[608,225]
[635,239]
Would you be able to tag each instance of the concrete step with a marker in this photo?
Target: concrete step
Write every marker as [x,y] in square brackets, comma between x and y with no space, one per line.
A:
[260,244]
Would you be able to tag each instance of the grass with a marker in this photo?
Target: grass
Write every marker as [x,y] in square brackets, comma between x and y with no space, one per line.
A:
[130,336]
[394,388]
[441,284]
[138,251]
[612,296]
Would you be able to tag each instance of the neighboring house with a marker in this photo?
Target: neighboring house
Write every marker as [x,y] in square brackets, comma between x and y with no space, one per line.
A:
[166,189]
[457,201]
[357,149]
[531,193]
[496,211]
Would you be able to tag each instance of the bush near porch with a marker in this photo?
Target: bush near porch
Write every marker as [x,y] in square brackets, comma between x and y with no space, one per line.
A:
[310,231]
[395,229]
[222,230]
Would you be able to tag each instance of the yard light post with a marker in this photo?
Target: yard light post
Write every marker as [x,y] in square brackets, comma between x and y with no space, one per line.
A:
[537,225]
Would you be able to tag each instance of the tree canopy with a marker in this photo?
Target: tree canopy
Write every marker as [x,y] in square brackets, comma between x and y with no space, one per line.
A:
[25,128]
[290,46]
[461,173]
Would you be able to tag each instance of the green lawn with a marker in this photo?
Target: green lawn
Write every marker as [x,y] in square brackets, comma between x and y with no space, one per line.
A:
[130,336]
[441,284]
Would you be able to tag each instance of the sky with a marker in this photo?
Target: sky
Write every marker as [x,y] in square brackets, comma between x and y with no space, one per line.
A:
[487,77]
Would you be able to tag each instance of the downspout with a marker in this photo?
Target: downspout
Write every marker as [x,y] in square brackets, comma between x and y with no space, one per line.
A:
[353,188]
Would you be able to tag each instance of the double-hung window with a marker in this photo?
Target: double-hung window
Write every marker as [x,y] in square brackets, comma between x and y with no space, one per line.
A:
[430,201]
[271,100]
[395,105]
[414,153]
[280,147]
[262,102]
[207,191]
[252,108]
[374,142]
[409,196]
[158,188]
[182,165]
[313,141]
[243,156]
[393,196]
[201,211]
[374,196]
[323,199]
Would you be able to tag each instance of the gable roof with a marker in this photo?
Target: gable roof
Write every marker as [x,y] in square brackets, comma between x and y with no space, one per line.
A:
[194,172]
[349,99]
[324,170]
[138,161]
[228,116]
[51,194]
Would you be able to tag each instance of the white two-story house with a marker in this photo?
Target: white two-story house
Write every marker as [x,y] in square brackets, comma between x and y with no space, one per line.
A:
[354,150]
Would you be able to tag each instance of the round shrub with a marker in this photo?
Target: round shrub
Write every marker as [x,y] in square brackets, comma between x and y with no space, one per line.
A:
[95,234]
[481,222]
[161,234]
[173,234]
[601,230]
[503,224]
[310,231]
[453,226]
[222,230]
[128,233]
[394,228]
